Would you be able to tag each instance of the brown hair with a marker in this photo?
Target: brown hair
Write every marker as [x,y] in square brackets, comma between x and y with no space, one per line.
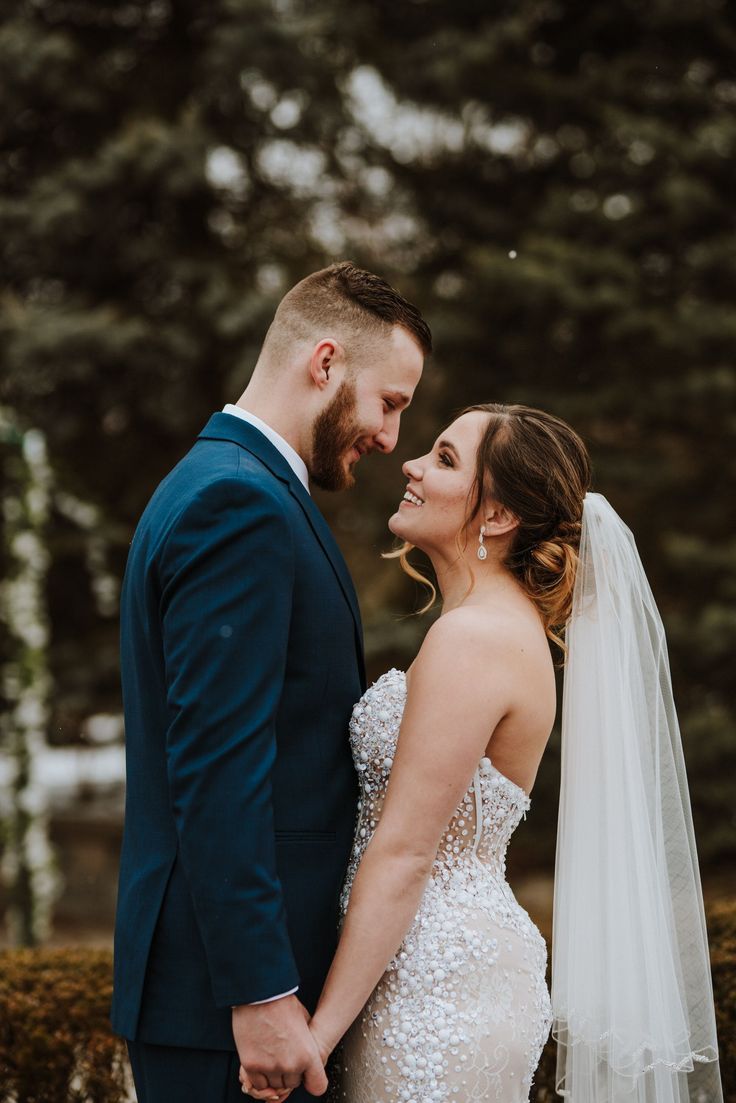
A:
[536,466]
[355,302]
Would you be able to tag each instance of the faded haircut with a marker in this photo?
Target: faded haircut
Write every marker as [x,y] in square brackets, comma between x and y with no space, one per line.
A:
[357,307]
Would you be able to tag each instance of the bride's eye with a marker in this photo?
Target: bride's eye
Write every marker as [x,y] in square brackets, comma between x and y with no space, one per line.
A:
[445,459]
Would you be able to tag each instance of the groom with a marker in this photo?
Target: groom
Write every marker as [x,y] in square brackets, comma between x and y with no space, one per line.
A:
[241,659]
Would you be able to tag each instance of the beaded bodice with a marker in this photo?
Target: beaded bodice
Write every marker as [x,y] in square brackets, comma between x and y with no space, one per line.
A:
[462,1011]
[486,817]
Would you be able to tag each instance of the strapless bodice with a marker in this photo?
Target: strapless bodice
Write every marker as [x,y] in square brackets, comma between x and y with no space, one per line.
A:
[488,813]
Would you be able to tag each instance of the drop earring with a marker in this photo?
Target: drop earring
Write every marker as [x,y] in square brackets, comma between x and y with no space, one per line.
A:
[482,549]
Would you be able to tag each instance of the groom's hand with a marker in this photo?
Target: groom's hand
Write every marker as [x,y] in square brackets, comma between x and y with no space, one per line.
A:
[276,1048]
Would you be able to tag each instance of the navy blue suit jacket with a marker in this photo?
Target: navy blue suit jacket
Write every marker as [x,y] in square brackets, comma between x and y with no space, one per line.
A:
[241,659]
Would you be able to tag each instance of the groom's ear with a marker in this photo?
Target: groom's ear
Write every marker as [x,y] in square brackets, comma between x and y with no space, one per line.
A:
[499,520]
[328,356]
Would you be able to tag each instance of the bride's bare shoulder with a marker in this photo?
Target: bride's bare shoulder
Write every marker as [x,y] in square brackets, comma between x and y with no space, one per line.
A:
[492,645]
[500,631]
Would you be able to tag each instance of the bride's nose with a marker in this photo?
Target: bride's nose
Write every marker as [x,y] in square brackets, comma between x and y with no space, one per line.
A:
[412,469]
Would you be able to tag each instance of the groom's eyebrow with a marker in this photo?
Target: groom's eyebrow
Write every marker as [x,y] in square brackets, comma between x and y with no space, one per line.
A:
[401,398]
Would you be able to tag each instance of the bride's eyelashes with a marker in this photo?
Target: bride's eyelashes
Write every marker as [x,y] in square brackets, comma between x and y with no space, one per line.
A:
[446,460]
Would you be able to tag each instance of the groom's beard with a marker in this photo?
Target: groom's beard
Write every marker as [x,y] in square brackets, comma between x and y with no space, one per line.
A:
[334,433]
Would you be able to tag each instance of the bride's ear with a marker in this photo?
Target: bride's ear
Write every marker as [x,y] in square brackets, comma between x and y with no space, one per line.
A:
[498,520]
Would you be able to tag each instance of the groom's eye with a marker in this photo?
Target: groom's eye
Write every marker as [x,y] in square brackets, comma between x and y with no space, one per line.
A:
[389,404]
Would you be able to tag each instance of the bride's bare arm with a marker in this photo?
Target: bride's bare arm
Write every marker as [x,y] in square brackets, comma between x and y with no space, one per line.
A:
[462,683]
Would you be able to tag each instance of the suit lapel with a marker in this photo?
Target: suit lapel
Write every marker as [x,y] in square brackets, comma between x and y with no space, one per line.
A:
[321,530]
[227,427]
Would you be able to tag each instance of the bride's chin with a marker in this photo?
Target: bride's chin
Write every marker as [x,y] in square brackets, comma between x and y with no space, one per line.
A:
[398,528]
[395,526]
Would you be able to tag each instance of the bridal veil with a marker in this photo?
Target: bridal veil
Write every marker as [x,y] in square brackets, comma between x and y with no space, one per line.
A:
[631,987]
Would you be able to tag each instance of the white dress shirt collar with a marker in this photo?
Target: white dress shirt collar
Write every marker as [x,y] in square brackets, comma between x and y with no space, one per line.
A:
[294,460]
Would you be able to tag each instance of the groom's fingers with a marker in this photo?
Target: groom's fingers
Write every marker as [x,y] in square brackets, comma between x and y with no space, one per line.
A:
[258,1080]
[268,1093]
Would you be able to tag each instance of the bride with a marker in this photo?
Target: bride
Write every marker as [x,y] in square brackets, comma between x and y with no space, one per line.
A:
[438,984]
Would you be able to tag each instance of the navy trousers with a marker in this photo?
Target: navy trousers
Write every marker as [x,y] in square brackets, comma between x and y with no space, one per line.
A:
[169,1074]
[173,1074]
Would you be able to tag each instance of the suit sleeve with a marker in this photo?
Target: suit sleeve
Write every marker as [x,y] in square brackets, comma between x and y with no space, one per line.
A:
[227,574]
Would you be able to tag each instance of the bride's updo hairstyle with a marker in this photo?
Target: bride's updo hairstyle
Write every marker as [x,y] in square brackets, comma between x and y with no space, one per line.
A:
[538,468]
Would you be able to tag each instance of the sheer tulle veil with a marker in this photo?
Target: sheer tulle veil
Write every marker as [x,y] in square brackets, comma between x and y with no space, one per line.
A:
[631,987]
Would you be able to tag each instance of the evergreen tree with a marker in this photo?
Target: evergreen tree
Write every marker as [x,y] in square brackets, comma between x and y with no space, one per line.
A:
[570,172]
[549,181]
[160,169]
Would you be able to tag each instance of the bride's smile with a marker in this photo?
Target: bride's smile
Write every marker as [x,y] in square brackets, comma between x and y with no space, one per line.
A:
[439,484]
[441,511]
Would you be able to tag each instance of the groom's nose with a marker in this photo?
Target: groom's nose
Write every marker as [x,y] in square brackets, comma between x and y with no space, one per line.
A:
[387,439]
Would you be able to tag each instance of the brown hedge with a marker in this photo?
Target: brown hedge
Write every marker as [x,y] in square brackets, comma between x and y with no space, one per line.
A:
[56,1045]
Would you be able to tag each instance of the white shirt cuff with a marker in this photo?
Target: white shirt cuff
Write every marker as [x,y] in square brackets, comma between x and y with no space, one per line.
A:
[272,998]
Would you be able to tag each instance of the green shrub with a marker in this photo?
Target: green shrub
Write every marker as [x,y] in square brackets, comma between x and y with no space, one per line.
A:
[56,1044]
[722,935]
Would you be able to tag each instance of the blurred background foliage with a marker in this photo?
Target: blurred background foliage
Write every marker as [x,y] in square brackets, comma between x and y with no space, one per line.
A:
[550,181]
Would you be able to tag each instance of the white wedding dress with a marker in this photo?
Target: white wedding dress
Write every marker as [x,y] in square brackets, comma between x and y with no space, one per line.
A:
[463,1010]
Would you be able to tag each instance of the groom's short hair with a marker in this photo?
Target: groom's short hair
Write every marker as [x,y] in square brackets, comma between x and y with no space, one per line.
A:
[348,302]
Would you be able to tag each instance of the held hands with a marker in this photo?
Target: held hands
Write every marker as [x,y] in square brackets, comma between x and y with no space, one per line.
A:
[276,1084]
[276,1048]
